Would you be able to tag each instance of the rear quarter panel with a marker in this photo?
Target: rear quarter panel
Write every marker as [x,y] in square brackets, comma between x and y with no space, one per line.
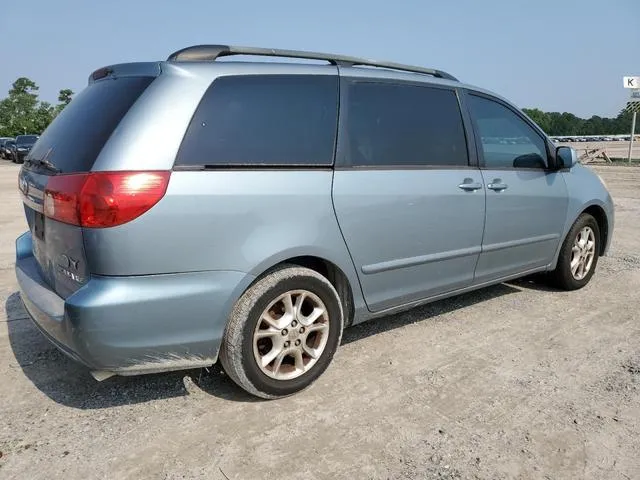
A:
[244,221]
[149,135]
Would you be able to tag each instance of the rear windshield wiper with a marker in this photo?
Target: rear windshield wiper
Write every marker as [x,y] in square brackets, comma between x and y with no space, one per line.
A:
[45,164]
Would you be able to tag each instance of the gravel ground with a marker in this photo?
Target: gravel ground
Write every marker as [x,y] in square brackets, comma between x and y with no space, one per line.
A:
[513,381]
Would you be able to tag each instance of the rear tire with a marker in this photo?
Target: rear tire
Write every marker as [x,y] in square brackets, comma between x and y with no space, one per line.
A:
[578,256]
[283,332]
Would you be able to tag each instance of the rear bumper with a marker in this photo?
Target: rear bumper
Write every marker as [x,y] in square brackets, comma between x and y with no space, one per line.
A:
[133,325]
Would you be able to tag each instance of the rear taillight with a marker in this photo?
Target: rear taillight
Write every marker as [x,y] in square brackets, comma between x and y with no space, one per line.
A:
[103,199]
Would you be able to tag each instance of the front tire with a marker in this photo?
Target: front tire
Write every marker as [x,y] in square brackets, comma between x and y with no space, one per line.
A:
[282,333]
[579,255]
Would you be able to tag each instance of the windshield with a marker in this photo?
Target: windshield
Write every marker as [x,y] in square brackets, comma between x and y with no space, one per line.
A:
[26,139]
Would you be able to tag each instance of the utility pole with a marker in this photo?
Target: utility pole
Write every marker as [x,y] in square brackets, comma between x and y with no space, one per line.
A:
[633,131]
[633,105]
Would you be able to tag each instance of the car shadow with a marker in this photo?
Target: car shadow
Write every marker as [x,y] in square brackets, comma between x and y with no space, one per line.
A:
[68,383]
[425,312]
[536,282]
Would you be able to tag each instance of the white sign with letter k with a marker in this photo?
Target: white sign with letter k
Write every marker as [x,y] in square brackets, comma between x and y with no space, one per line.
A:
[631,82]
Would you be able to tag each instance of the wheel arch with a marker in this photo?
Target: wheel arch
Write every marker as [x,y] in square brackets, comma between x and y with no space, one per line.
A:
[338,279]
[600,215]
[597,211]
[328,269]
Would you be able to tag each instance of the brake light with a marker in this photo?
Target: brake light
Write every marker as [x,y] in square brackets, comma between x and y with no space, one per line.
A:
[103,199]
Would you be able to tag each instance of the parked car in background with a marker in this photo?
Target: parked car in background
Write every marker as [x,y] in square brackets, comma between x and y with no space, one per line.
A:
[4,151]
[10,149]
[285,203]
[24,143]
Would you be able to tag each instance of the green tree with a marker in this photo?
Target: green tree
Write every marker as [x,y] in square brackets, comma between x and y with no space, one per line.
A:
[43,116]
[541,118]
[17,111]
[21,112]
[556,123]
[64,98]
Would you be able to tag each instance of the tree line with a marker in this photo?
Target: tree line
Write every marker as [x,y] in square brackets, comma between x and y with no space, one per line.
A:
[21,112]
[556,123]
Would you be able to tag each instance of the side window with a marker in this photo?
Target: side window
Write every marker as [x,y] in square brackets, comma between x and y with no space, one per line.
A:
[507,140]
[395,125]
[264,120]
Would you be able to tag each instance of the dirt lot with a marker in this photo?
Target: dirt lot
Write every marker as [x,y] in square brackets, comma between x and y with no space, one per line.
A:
[514,381]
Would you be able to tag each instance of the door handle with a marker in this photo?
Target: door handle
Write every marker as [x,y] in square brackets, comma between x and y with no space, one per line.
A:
[498,186]
[470,187]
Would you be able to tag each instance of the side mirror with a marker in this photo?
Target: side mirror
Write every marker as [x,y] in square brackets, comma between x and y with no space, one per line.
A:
[566,157]
[531,160]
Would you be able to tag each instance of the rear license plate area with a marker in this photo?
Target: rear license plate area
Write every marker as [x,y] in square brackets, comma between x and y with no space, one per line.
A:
[38,226]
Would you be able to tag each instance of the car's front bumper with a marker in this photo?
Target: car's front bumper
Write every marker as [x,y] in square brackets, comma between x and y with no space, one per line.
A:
[136,324]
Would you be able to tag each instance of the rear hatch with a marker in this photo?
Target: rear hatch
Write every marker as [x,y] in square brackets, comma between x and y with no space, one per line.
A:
[70,145]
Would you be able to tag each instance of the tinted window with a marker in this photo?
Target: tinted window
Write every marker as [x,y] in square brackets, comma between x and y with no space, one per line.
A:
[74,139]
[264,120]
[507,140]
[394,125]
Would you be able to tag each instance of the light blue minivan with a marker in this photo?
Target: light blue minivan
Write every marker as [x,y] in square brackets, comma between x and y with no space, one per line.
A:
[197,209]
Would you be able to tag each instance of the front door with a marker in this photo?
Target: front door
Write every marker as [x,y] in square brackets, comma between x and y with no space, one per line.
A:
[408,201]
[526,202]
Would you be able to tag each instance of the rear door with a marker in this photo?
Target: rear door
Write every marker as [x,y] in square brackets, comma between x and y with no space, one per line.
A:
[70,145]
[526,201]
[409,200]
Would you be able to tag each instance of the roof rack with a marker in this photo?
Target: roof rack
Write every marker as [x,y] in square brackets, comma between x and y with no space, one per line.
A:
[209,53]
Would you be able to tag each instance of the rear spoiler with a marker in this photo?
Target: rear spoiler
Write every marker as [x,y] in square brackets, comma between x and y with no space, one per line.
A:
[138,69]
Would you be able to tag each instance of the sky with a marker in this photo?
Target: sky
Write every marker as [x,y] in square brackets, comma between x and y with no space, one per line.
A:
[556,55]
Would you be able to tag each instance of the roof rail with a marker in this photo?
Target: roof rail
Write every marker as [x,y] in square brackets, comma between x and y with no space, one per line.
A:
[209,53]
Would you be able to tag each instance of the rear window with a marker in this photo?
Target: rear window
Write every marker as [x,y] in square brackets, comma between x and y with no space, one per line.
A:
[266,120]
[74,139]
